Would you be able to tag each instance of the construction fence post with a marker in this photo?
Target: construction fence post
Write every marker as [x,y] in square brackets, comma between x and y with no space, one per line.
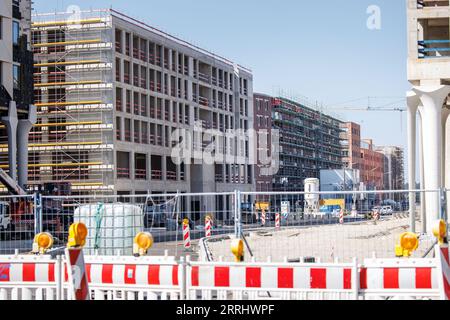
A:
[237,214]
[37,203]
[183,279]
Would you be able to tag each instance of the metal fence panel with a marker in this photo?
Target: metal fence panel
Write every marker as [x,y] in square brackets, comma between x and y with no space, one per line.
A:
[18,223]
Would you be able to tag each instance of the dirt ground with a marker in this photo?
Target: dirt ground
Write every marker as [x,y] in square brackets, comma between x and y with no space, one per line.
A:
[328,242]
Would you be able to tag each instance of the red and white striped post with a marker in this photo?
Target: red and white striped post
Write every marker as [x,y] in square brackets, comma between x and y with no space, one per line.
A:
[443,256]
[186,234]
[277,221]
[376,215]
[208,226]
[341,216]
[263,217]
[78,281]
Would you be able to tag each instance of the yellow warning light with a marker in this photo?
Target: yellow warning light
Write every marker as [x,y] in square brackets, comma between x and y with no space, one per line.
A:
[409,242]
[440,231]
[186,221]
[237,248]
[42,242]
[77,235]
[142,242]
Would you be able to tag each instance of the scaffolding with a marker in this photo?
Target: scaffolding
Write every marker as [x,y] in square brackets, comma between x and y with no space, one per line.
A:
[73,77]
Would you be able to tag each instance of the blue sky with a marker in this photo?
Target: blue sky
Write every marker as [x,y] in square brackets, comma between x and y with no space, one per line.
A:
[318,49]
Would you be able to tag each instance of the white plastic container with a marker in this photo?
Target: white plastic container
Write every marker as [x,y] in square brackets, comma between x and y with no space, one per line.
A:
[111,226]
[312,199]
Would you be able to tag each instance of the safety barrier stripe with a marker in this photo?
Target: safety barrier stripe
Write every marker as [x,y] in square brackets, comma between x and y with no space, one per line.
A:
[398,278]
[337,278]
[132,274]
[445,269]
[27,272]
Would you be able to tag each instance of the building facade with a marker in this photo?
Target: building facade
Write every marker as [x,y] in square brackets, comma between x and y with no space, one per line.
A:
[351,145]
[309,141]
[372,170]
[17,113]
[112,94]
[394,176]
[262,112]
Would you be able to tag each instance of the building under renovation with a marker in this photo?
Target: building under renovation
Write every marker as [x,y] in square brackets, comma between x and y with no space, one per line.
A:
[110,93]
[309,141]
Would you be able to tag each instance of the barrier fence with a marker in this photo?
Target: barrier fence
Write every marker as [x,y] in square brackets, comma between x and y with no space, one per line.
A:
[309,223]
[29,277]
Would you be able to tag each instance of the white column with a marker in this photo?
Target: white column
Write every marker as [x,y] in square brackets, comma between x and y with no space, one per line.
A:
[432,98]
[422,175]
[446,160]
[413,103]
[445,114]
[11,122]
[23,131]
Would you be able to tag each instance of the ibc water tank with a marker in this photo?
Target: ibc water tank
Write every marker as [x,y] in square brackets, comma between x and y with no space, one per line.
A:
[111,227]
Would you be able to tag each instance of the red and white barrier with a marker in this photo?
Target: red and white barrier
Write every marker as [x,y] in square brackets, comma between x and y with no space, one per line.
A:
[397,277]
[28,278]
[443,257]
[341,217]
[78,281]
[186,236]
[263,218]
[286,279]
[208,227]
[277,221]
[128,278]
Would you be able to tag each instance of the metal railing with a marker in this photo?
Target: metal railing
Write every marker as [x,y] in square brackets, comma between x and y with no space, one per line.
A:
[283,225]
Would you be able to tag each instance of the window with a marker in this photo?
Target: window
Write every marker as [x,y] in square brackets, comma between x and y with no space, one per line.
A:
[16,73]
[16,32]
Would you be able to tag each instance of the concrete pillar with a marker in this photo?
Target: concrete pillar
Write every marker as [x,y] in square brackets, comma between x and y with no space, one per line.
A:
[23,131]
[446,161]
[422,175]
[445,114]
[432,98]
[413,103]
[11,122]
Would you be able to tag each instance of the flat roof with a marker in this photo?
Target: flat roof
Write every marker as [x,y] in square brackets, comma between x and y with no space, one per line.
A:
[127,18]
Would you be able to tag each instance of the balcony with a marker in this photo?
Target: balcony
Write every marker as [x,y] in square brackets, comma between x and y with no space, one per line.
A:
[203,77]
[123,173]
[140,174]
[171,175]
[203,101]
[118,47]
[432,3]
[127,135]
[156,175]
[434,49]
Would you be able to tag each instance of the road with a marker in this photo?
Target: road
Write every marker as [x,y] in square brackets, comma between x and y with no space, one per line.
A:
[171,240]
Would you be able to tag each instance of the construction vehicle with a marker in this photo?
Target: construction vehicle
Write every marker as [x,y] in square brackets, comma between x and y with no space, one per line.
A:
[331,207]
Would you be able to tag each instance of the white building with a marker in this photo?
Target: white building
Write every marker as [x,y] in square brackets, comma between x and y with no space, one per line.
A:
[429,74]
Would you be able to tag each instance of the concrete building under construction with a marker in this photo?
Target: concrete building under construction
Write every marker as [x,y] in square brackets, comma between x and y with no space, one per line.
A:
[111,90]
[309,141]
